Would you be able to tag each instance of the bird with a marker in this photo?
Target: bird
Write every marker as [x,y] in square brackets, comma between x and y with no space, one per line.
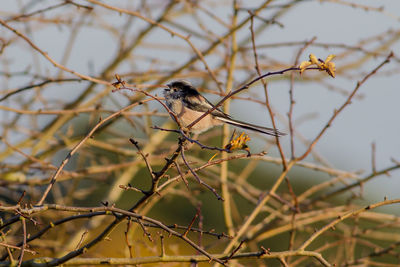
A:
[187,104]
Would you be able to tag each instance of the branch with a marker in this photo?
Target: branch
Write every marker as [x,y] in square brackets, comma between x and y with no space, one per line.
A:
[77,147]
[44,54]
[39,262]
[21,256]
[198,178]
[58,261]
[345,104]
[358,183]
[343,217]
[22,89]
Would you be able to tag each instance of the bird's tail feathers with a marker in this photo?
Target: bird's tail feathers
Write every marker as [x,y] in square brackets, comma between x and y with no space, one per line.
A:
[256,128]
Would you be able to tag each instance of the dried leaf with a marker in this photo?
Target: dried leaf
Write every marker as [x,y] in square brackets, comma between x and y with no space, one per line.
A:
[119,83]
[304,65]
[329,58]
[331,69]
[238,142]
[314,60]
[326,65]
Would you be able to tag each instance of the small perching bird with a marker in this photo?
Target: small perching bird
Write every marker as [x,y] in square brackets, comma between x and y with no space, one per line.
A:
[188,104]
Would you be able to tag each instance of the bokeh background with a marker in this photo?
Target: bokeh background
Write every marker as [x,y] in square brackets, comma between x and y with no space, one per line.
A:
[371,118]
[90,41]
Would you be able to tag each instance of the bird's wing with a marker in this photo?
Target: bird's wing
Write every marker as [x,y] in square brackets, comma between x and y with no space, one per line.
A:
[201,104]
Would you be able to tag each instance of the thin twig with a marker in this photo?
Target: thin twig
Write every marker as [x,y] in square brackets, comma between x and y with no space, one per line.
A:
[271,113]
[136,144]
[193,141]
[18,248]
[57,261]
[181,259]
[244,87]
[162,247]
[191,223]
[358,183]
[343,217]
[77,147]
[81,240]
[21,256]
[198,178]
[345,104]
[145,232]
[181,175]
[44,54]
[234,251]
[373,157]
[38,85]
[37,12]
[161,26]
[128,244]
[291,98]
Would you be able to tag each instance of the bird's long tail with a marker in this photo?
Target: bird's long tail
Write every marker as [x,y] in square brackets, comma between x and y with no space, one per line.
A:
[256,128]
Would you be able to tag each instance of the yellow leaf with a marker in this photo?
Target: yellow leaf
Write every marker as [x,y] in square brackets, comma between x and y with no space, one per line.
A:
[238,143]
[326,65]
[304,65]
[329,58]
[314,60]
[331,69]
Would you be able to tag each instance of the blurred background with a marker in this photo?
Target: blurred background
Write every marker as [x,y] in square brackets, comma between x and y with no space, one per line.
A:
[362,34]
[37,98]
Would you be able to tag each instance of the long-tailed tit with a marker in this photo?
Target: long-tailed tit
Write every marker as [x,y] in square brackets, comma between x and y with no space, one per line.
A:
[188,104]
